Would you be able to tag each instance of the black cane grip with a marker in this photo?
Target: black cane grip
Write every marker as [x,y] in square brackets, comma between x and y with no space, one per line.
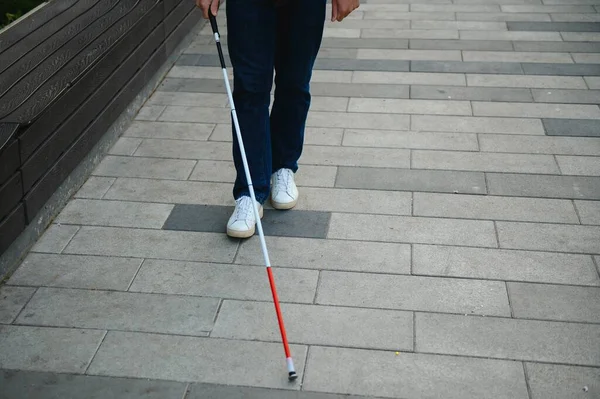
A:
[213,20]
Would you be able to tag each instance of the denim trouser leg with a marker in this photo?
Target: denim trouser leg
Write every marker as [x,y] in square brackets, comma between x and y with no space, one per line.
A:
[261,38]
[299,32]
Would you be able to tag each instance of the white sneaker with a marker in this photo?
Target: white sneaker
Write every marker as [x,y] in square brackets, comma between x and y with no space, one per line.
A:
[242,222]
[284,193]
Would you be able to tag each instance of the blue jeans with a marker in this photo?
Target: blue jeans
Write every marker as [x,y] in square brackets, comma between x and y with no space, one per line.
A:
[263,38]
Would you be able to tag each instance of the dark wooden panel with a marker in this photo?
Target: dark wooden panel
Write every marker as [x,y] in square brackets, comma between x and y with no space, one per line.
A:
[50,77]
[183,29]
[169,5]
[10,194]
[177,15]
[93,102]
[45,187]
[7,131]
[11,227]
[9,160]
[33,22]
[57,112]
[20,60]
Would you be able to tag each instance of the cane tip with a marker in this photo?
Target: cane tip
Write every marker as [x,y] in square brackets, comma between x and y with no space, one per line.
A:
[292,376]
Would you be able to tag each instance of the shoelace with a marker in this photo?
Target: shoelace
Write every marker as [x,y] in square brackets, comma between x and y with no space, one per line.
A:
[244,210]
[284,176]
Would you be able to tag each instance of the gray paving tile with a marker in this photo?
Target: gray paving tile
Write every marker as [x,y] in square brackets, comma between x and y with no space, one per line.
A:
[354,201]
[459,25]
[360,90]
[575,17]
[408,229]
[340,64]
[523,185]
[110,310]
[413,16]
[510,35]
[548,381]
[470,93]
[114,213]
[158,244]
[505,338]
[513,56]
[592,82]
[125,146]
[411,180]
[450,44]
[529,81]
[61,350]
[184,149]
[149,112]
[189,99]
[226,281]
[179,358]
[471,124]
[192,85]
[74,271]
[466,67]
[409,78]
[330,326]
[553,26]
[494,208]
[549,237]
[503,264]
[170,191]
[402,139]
[536,110]
[412,375]
[42,385]
[539,144]
[202,391]
[359,156]
[502,16]
[580,47]
[118,166]
[484,162]
[169,130]
[55,238]
[363,42]
[567,96]
[499,1]
[572,127]
[95,187]
[581,36]
[454,7]
[586,58]
[12,300]
[555,302]
[188,58]
[213,219]
[547,8]
[561,69]
[319,254]
[579,165]
[409,33]
[363,120]
[589,212]
[432,294]
[401,106]
[410,55]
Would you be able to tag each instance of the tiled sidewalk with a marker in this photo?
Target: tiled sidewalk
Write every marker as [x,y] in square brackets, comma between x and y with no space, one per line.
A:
[446,243]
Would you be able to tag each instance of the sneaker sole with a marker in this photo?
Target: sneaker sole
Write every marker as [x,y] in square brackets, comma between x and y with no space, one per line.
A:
[246,233]
[283,205]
